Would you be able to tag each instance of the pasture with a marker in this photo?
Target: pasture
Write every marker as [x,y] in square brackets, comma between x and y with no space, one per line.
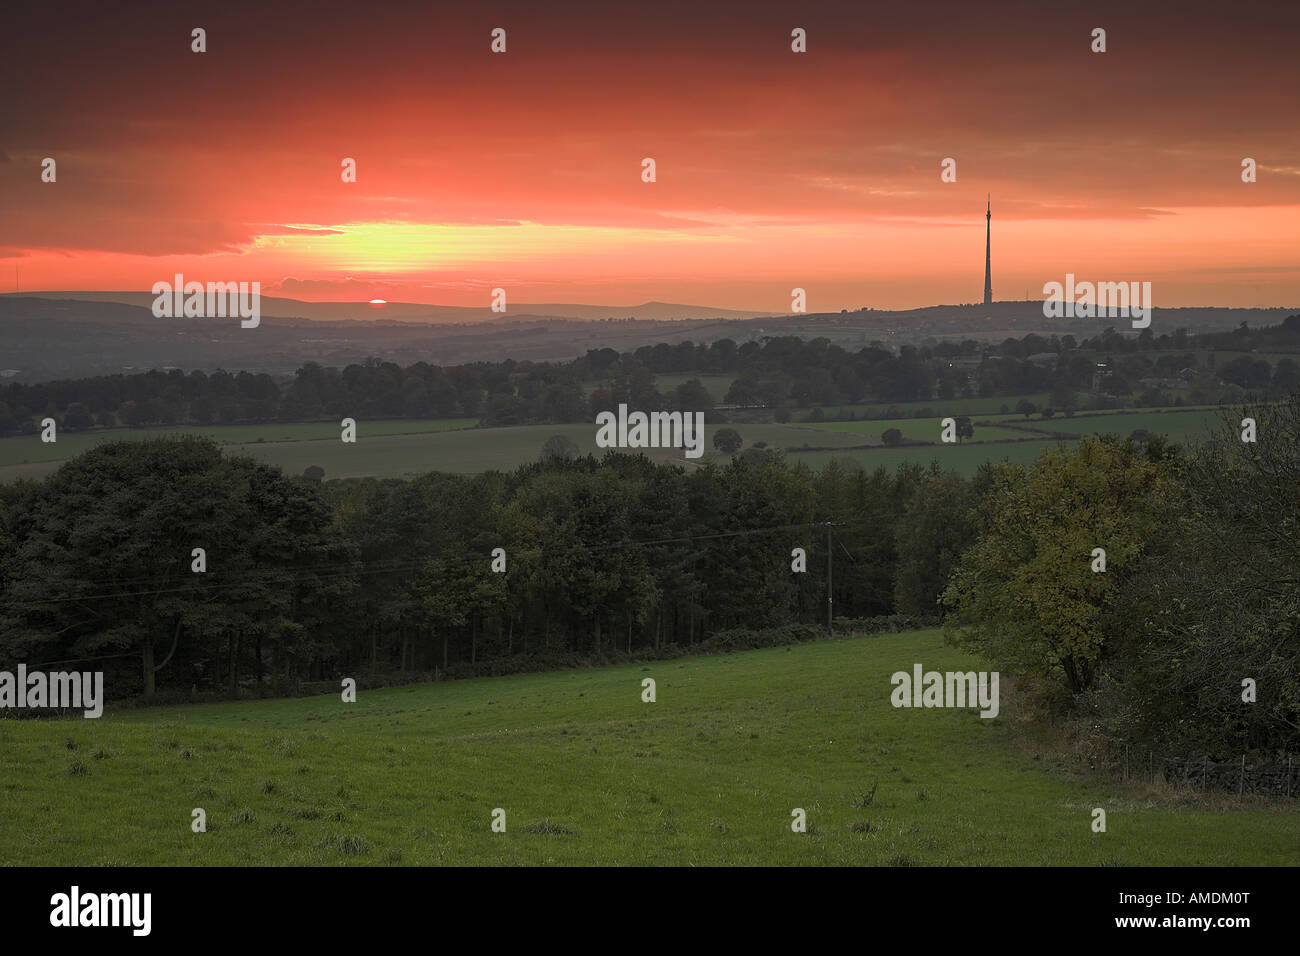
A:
[384,449]
[28,449]
[589,774]
[394,449]
[916,429]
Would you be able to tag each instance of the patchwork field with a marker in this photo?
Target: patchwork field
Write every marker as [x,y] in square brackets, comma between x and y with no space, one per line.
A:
[1028,439]
[404,448]
[588,774]
[388,452]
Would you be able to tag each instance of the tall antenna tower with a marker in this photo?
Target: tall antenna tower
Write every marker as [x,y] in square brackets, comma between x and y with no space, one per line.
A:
[988,252]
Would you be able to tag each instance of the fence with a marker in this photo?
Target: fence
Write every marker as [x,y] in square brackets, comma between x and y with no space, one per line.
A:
[1237,775]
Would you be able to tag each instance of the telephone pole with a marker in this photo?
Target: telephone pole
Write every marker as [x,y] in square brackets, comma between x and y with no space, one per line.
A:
[830,596]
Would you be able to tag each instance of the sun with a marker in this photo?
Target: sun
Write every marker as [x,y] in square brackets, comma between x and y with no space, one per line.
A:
[379,302]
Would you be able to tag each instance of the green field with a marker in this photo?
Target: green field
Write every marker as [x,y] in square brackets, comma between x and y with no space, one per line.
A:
[588,774]
[1181,425]
[401,448]
[30,449]
[966,457]
[480,449]
[917,429]
[461,450]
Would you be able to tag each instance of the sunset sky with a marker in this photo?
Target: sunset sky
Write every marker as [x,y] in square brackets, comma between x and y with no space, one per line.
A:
[775,169]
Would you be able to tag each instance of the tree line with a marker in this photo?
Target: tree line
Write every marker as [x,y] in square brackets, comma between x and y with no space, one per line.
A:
[301,580]
[174,567]
[780,373]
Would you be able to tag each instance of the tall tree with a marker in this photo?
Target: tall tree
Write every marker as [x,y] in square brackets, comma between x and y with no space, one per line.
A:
[1025,594]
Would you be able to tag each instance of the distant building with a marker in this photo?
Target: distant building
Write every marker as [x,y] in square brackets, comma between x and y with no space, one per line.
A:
[1099,375]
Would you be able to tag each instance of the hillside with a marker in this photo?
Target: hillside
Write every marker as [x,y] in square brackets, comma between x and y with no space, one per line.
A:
[589,774]
[71,334]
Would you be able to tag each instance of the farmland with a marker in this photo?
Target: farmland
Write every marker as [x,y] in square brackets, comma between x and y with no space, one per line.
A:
[917,429]
[30,448]
[999,442]
[1174,424]
[401,448]
[589,774]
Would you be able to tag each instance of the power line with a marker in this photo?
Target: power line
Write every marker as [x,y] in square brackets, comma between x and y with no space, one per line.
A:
[78,660]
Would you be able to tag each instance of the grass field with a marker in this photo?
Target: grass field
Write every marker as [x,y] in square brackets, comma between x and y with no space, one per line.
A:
[1193,425]
[918,429]
[476,450]
[588,774]
[30,449]
[966,457]
[400,448]
[461,450]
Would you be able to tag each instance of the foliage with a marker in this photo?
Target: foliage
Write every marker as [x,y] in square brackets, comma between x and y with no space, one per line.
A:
[727,440]
[1025,594]
[1221,606]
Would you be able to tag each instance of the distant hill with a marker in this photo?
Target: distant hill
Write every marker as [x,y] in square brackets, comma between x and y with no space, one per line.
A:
[431,314]
[52,335]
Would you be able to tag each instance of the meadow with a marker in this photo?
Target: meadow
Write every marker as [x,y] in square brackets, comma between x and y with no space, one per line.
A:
[30,449]
[916,429]
[394,449]
[383,450]
[1175,424]
[1028,439]
[589,774]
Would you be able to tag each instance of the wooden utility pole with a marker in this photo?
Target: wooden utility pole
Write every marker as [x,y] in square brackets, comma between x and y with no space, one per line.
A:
[830,597]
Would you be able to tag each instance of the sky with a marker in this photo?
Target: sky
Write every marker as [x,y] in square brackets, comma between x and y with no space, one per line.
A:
[774,169]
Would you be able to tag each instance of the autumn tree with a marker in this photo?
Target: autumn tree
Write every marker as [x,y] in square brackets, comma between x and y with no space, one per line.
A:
[1025,595]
